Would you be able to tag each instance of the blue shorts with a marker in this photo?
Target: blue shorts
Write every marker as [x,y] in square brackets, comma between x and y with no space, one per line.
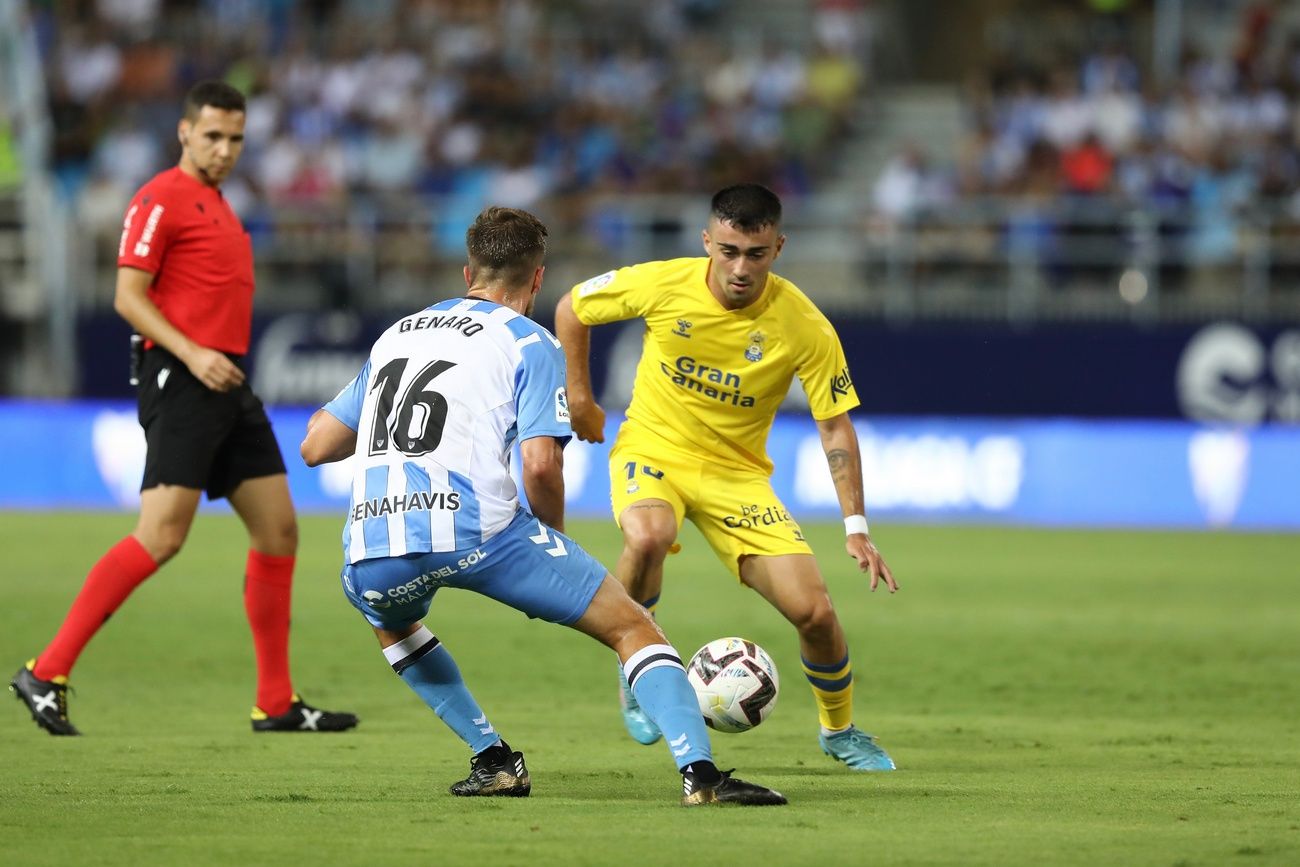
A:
[528,566]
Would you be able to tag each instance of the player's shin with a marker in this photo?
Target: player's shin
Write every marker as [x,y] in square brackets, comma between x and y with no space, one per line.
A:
[428,668]
[637,722]
[658,680]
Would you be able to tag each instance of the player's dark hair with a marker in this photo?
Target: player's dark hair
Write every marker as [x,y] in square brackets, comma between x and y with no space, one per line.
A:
[748,207]
[505,245]
[217,94]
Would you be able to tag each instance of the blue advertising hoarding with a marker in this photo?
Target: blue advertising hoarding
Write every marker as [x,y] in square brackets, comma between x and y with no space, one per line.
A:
[1036,472]
[1221,371]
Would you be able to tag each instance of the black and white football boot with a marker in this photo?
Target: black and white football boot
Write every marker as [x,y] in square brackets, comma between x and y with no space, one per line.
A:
[495,771]
[302,717]
[46,699]
[708,785]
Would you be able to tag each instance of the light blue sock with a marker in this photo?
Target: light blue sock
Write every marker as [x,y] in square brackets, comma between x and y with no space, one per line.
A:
[659,683]
[427,667]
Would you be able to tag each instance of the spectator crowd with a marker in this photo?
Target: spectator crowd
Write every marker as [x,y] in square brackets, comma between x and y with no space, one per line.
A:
[1099,137]
[381,103]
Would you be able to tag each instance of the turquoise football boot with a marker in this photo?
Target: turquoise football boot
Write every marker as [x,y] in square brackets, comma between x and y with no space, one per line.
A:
[638,722]
[857,749]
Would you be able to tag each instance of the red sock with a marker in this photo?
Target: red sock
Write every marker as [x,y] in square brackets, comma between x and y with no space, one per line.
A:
[268,585]
[110,581]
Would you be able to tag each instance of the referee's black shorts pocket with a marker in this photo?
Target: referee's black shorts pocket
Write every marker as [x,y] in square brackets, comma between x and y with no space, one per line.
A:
[185,423]
[149,391]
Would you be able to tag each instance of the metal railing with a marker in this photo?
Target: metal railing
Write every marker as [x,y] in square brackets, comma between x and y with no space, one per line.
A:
[991,259]
[1022,260]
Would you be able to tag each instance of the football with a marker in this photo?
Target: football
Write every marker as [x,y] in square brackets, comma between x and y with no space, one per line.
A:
[735,682]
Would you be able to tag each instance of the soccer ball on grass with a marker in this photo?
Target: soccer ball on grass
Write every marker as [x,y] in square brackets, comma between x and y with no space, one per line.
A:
[735,682]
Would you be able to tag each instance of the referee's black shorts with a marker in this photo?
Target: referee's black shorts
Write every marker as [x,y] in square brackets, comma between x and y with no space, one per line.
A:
[199,438]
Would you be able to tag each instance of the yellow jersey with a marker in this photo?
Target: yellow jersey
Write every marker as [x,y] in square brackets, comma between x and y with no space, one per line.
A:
[710,380]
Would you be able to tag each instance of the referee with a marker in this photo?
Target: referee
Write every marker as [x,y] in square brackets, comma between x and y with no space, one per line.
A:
[185,283]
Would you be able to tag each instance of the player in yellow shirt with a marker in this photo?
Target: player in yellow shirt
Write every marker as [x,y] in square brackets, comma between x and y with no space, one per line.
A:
[724,338]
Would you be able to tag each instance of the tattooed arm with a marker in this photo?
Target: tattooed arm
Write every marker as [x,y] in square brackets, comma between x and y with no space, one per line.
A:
[840,442]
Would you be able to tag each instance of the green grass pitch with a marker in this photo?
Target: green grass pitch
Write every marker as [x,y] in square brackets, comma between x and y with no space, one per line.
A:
[1050,697]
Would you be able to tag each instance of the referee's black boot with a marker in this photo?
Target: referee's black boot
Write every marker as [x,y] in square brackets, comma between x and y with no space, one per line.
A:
[46,699]
[302,717]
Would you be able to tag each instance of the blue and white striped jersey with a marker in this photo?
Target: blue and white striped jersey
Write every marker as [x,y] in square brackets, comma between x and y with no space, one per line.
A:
[437,407]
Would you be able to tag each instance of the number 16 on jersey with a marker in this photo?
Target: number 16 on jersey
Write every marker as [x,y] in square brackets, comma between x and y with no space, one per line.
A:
[421,412]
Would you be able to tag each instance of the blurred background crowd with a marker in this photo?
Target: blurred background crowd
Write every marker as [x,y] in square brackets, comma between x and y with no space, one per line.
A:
[1081,133]
[374,104]
[994,160]
[1223,129]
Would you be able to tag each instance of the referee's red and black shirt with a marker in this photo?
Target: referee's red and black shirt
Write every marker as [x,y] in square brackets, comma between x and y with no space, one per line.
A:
[184,233]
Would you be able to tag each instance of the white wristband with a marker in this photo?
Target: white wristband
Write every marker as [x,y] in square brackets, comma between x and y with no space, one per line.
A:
[856,524]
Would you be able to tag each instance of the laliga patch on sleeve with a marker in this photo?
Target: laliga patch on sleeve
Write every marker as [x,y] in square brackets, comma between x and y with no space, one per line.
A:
[595,284]
[561,405]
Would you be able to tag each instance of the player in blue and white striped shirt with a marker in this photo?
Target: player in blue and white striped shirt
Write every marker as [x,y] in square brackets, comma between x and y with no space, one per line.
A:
[430,422]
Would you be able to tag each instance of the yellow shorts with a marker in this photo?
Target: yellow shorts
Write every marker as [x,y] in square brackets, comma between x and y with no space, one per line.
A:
[736,511]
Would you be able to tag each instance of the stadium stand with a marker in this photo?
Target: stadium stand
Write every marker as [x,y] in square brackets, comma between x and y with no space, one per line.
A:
[1078,173]
[1080,169]
[388,125]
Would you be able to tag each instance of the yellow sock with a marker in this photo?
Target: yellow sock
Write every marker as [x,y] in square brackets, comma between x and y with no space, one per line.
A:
[651,604]
[832,686]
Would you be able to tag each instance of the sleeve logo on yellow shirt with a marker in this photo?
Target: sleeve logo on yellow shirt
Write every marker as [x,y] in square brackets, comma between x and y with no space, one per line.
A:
[755,350]
[595,284]
[840,385]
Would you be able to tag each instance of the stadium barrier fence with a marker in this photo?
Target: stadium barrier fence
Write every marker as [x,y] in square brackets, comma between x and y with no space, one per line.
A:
[1052,472]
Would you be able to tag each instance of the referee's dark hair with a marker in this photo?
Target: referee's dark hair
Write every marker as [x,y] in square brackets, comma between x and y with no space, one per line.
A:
[505,245]
[215,93]
[748,207]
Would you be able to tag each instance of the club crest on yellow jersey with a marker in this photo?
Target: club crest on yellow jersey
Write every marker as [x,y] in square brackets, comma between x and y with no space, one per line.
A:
[755,350]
